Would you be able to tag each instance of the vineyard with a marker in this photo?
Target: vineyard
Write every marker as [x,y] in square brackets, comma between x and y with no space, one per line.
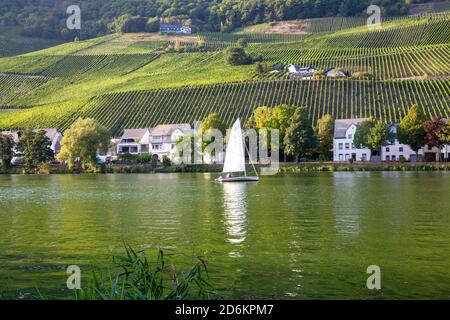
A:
[131,80]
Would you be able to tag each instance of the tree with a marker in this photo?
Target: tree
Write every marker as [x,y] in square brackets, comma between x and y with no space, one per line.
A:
[325,132]
[35,147]
[445,133]
[411,129]
[82,140]
[6,151]
[433,132]
[272,118]
[372,134]
[299,139]
[237,56]
[152,24]
[259,68]
[242,43]
[212,121]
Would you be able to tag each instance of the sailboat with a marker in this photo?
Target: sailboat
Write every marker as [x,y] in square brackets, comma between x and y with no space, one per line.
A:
[234,164]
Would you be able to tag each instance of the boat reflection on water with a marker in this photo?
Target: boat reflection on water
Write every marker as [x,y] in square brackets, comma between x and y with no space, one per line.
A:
[235,210]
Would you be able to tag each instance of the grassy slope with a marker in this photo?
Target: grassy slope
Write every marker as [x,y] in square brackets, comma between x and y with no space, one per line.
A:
[83,70]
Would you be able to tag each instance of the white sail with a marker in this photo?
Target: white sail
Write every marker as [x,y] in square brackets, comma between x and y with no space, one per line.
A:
[235,157]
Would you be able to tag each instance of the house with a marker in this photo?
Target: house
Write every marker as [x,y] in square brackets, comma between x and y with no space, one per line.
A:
[164,137]
[277,68]
[175,28]
[134,141]
[337,73]
[53,134]
[397,151]
[343,141]
[304,73]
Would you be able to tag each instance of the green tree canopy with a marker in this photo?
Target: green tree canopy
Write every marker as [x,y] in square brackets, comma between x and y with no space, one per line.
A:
[152,24]
[82,140]
[372,134]
[299,139]
[6,151]
[325,132]
[35,147]
[411,129]
[237,56]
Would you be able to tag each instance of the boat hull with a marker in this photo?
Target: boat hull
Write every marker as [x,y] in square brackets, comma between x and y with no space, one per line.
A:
[239,179]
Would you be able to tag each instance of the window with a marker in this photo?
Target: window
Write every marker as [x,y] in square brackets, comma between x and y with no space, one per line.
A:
[341,146]
[387,158]
[347,146]
[341,157]
[156,147]
[172,146]
[353,146]
[364,157]
[133,149]
[350,136]
[347,157]
[388,149]
[394,158]
[400,149]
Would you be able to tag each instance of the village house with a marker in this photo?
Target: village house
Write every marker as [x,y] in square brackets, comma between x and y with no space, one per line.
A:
[303,73]
[159,141]
[134,141]
[164,138]
[337,73]
[175,28]
[397,151]
[343,142]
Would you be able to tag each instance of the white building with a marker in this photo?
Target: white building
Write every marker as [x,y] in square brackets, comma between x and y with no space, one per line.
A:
[397,151]
[159,141]
[134,141]
[337,73]
[164,137]
[343,142]
[303,73]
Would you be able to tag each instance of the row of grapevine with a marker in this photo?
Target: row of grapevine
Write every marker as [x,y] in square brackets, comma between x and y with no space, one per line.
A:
[387,100]
[13,87]
[100,64]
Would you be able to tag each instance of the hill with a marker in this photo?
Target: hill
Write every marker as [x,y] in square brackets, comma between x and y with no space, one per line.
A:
[137,80]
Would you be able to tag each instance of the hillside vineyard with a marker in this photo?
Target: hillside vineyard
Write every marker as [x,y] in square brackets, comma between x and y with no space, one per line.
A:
[133,80]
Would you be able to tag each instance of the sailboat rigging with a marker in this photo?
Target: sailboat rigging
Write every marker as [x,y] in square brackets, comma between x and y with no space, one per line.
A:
[235,158]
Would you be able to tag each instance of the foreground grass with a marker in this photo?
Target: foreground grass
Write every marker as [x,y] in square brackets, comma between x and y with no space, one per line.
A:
[140,279]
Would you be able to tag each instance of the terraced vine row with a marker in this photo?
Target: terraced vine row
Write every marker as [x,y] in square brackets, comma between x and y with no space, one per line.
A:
[13,87]
[386,100]
[101,64]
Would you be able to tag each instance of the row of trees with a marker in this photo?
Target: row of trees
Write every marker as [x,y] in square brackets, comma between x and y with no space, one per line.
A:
[78,147]
[47,18]
[300,139]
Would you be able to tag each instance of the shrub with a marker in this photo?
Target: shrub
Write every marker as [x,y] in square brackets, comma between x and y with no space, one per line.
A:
[144,158]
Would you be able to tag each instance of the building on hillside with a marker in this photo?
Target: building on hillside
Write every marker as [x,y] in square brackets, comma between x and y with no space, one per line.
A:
[53,134]
[397,151]
[303,73]
[134,141]
[337,73]
[164,137]
[343,141]
[175,28]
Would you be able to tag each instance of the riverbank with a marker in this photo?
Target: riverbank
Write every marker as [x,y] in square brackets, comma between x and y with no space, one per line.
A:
[331,167]
[283,169]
